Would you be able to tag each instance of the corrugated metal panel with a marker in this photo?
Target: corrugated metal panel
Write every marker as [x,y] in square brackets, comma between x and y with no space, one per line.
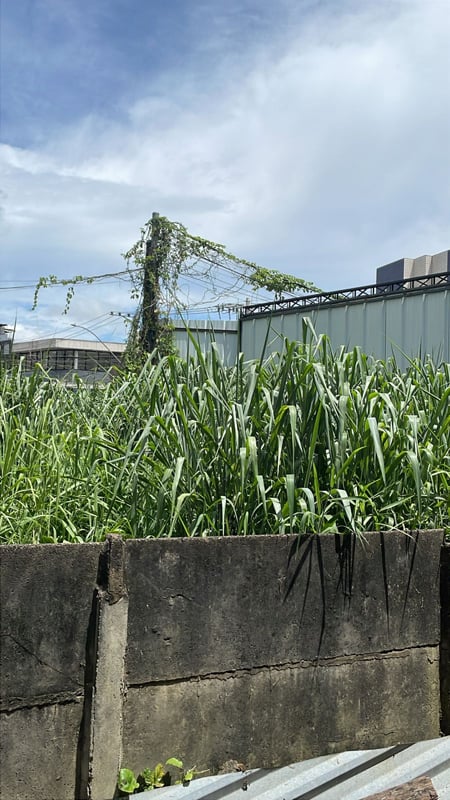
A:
[347,776]
[223,333]
[415,324]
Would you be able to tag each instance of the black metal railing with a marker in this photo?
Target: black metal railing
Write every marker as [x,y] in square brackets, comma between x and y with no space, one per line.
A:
[372,291]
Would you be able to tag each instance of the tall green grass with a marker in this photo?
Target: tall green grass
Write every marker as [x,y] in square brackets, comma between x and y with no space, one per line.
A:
[312,440]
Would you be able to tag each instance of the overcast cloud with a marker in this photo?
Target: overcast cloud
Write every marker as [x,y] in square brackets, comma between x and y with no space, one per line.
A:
[313,138]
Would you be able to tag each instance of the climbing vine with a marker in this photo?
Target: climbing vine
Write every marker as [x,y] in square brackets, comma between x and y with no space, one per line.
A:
[157,269]
[175,253]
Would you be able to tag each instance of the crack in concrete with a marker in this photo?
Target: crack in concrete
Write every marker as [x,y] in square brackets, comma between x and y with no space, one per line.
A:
[291,665]
[24,703]
[40,660]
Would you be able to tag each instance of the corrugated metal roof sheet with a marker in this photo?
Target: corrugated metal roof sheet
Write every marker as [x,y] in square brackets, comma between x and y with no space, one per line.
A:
[346,776]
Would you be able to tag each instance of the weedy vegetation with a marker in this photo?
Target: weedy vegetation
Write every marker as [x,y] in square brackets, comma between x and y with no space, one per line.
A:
[309,440]
[155,778]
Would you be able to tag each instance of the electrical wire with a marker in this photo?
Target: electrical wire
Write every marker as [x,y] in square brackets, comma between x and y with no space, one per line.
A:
[215,291]
[63,331]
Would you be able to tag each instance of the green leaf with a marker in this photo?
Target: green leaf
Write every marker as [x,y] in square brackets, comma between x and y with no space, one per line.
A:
[373,426]
[174,762]
[127,781]
[159,773]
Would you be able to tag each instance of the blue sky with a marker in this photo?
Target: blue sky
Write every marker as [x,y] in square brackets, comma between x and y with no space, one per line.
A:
[310,136]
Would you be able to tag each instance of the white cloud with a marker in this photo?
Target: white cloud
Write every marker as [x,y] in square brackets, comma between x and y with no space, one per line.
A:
[324,152]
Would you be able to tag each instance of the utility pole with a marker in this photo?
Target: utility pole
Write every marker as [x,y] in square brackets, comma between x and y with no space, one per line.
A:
[150,289]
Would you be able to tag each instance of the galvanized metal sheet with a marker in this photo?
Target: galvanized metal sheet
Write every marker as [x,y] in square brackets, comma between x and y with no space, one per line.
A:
[224,335]
[346,776]
[404,325]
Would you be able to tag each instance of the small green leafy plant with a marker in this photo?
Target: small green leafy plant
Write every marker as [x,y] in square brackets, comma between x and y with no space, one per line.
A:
[155,778]
[127,782]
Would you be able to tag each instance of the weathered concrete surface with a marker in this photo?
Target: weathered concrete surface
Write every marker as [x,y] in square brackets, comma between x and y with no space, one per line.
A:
[45,605]
[445,638]
[212,605]
[274,716]
[103,751]
[259,649]
[105,745]
[38,751]
[46,596]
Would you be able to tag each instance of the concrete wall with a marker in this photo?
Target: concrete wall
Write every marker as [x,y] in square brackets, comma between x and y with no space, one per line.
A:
[46,601]
[261,649]
[445,639]
[262,652]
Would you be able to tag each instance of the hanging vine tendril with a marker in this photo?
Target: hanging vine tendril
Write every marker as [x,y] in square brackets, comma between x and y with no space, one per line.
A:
[177,253]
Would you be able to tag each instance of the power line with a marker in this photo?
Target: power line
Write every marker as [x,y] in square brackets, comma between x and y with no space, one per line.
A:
[122,275]
[62,331]
[15,288]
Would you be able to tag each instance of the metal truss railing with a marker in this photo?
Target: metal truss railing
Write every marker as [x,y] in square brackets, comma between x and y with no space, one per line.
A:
[372,291]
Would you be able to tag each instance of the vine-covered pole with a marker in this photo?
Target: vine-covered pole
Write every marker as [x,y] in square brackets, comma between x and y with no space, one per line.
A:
[165,251]
[150,289]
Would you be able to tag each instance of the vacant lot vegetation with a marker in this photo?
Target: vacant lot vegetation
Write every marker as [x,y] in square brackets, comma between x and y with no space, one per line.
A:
[309,441]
